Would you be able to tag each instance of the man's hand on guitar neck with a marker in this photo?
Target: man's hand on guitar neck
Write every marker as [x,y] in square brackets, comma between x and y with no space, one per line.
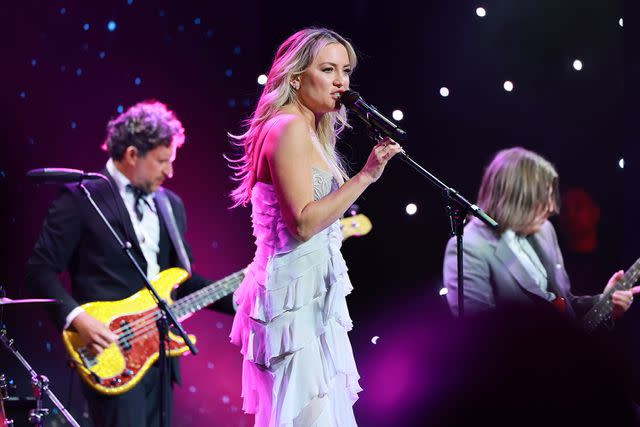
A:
[621,299]
[96,335]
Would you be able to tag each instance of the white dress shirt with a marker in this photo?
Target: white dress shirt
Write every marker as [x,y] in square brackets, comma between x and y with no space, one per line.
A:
[529,260]
[147,229]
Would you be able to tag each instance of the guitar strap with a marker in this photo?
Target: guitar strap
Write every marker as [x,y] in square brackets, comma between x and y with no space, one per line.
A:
[552,285]
[548,265]
[165,209]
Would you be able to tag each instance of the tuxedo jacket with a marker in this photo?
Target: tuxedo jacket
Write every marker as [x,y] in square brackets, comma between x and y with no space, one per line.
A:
[75,239]
[495,278]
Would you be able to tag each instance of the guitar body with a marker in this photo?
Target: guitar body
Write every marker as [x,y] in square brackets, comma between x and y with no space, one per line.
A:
[560,304]
[121,366]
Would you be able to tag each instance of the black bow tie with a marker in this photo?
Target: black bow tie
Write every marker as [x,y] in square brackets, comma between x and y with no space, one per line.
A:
[138,194]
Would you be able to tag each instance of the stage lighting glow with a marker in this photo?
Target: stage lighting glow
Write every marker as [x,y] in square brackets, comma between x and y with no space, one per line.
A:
[577,65]
[481,12]
[397,115]
[78,72]
[197,20]
[374,340]
[34,62]
[228,72]
[111,26]
[86,27]
[444,92]
[621,163]
[508,86]
[262,79]
[411,209]
[120,109]
[137,81]
[620,22]
[443,291]
[102,54]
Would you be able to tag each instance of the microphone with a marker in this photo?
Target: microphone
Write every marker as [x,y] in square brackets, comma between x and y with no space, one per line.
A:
[55,175]
[371,116]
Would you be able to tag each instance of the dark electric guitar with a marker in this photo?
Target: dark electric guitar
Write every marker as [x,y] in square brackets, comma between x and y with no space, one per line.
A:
[603,308]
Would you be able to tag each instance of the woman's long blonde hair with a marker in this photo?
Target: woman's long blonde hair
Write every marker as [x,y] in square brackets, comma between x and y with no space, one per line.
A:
[294,56]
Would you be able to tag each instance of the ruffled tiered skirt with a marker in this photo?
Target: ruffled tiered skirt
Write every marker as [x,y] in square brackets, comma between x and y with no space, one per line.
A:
[291,324]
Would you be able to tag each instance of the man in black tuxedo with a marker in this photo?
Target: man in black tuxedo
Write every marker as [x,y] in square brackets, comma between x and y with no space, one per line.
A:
[142,144]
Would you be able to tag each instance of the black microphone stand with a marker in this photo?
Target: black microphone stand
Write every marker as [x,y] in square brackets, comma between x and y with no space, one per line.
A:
[457,208]
[167,317]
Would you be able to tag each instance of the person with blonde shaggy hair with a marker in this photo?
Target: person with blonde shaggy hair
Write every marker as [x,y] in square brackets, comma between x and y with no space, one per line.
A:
[521,263]
[292,318]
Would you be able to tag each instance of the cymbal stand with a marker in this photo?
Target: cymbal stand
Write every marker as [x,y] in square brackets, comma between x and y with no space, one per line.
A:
[40,385]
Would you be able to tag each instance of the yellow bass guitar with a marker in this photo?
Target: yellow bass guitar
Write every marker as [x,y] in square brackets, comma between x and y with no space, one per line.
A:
[121,365]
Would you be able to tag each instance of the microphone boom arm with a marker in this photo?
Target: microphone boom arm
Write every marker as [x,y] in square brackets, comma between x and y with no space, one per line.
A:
[457,206]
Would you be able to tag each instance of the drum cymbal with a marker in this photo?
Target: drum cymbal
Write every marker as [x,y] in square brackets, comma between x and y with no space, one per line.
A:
[9,301]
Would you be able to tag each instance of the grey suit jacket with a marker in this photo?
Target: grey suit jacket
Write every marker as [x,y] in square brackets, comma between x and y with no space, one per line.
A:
[494,277]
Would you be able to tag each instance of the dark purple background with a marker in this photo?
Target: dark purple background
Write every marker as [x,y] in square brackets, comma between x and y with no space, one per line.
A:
[202,59]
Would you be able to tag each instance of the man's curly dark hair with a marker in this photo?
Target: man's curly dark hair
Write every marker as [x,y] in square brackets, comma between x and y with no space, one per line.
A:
[146,125]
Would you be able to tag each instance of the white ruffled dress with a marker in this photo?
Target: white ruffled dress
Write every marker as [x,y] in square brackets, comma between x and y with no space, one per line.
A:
[292,322]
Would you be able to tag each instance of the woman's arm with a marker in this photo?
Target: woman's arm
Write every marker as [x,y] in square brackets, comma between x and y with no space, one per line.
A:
[289,152]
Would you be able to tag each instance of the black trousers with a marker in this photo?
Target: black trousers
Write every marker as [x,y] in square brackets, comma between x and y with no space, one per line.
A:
[139,407]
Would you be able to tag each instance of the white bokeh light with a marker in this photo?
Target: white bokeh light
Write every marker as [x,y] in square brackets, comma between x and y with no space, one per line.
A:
[508,86]
[411,209]
[577,65]
[620,22]
[397,115]
[481,12]
[262,79]
[621,163]
[444,92]
[443,291]
[375,339]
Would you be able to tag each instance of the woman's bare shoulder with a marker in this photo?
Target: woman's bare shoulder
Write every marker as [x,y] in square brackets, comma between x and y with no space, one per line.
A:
[286,129]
